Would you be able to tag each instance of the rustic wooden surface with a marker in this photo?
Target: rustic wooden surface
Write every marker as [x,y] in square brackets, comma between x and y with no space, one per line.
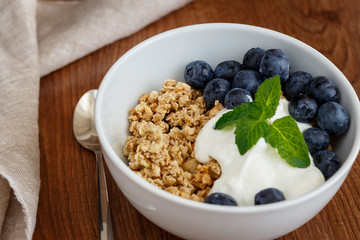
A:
[68,204]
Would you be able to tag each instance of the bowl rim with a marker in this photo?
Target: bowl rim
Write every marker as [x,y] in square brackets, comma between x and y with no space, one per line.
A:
[143,184]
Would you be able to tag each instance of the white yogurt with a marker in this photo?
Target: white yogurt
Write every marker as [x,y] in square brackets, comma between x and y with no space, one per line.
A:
[261,167]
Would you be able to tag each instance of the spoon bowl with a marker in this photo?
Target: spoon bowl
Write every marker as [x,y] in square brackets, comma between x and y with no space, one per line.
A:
[84,125]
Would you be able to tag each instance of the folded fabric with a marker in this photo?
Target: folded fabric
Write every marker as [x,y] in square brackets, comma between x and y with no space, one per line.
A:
[69,31]
[38,37]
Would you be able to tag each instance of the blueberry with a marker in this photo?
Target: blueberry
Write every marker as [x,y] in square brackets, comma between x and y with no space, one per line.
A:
[216,89]
[236,97]
[303,109]
[247,79]
[252,58]
[220,199]
[333,118]
[269,195]
[322,90]
[327,162]
[296,84]
[316,139]
[227,69]
[275,62]
[198,73]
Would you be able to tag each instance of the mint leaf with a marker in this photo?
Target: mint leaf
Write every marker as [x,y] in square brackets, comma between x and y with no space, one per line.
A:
[285,135]
[268,94]
[248,132]
[251,109]
[251,124]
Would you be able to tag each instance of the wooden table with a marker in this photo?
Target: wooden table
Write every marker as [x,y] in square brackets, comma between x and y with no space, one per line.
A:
[68,203]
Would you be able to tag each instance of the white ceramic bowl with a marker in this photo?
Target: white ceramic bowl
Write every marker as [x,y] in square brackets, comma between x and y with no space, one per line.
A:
[147,65]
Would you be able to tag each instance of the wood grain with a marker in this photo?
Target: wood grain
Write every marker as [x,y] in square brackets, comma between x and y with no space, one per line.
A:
[68,204]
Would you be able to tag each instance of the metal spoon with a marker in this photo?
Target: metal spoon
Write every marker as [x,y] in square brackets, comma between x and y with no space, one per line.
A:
[86,135]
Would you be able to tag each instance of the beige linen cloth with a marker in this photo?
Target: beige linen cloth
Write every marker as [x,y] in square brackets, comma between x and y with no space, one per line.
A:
[36,38]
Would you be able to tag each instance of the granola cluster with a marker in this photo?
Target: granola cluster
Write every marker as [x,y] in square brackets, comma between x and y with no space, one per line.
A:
[164,127]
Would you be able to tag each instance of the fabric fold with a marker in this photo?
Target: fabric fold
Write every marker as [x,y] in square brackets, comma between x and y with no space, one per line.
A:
[91,25]
[5,192]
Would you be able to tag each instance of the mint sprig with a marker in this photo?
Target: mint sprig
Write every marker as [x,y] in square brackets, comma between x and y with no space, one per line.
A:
[252,124]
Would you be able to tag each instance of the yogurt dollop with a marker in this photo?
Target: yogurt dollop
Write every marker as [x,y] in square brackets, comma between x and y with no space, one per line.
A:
[243,176]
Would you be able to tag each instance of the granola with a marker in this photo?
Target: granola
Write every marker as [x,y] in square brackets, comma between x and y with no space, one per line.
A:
[164,126]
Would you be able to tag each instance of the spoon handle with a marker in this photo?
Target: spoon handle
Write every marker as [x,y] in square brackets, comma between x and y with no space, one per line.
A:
[105,225]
